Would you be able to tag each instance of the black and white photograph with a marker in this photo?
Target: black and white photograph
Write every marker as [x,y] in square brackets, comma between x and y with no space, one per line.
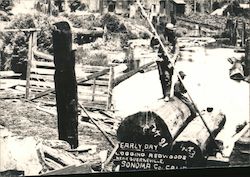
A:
[114,86]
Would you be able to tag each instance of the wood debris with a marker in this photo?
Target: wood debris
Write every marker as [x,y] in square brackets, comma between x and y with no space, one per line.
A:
[36,156]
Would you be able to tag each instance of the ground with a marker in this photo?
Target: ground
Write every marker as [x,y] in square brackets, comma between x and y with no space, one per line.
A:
[22,118]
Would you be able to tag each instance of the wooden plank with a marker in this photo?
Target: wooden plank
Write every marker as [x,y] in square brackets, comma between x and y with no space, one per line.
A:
[42,71]
[96,82]
[42,84]
[34,41]
[125,76]
[103,78]
[86,101]
[48,78]
[92,69]
[97,98]
[24,30]
[92,76]
[5,83]
[44,64]
[71,170]
[7,74]
[110,88]
[47,110]
[89,92]
[4,86]
[93,89]
[88,88]
[43,55]
[37,89]
[30,57]
[93,106]
[84,79]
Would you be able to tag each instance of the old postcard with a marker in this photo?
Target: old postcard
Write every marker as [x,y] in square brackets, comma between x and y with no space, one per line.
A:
[104,86]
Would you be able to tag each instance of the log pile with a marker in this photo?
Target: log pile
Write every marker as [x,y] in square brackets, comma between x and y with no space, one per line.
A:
[170,131]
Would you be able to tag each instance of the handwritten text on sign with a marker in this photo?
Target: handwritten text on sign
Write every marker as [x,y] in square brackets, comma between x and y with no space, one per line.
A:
[133,156]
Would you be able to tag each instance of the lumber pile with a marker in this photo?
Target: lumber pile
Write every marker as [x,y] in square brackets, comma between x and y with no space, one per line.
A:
[210,21]
[166,138]
[106,120]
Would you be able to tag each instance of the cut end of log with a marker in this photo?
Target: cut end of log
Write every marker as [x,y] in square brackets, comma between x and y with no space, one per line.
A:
[143,127]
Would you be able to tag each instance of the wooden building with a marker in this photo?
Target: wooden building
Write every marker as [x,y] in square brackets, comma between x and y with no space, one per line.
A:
[177,7]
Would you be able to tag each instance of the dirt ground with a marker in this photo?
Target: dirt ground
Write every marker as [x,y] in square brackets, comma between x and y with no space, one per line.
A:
[22,118]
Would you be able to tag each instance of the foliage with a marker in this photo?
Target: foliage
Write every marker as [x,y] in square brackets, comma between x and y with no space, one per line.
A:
[233,9]
[44,37]
[43,6]
[17,43]
[4,16]
[76,5]
[85,22]
[216,5]
[6,5]
[113,24]
[83,57]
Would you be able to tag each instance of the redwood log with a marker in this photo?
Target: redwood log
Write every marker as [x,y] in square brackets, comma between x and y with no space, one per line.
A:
[65,84]
[197,133]
[165,119]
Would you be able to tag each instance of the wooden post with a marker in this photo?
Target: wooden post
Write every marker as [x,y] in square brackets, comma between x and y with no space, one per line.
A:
[66,6]
[93,91]
[101,6]
[65,84]
[211,6]
[34,40]
[49,8]
[110,87]
[30,53]
[194,6]
[247,57]
[243,34]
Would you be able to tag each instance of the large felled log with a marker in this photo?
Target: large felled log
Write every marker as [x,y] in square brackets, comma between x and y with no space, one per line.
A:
[165,119]
[197,133]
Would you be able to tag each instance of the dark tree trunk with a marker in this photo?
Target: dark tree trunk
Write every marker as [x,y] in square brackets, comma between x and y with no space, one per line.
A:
[65,84]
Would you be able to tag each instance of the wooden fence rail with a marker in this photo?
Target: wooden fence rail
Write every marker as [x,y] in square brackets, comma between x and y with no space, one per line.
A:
[95,83]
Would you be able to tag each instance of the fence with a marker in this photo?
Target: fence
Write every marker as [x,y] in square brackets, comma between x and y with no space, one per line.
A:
[95,83]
